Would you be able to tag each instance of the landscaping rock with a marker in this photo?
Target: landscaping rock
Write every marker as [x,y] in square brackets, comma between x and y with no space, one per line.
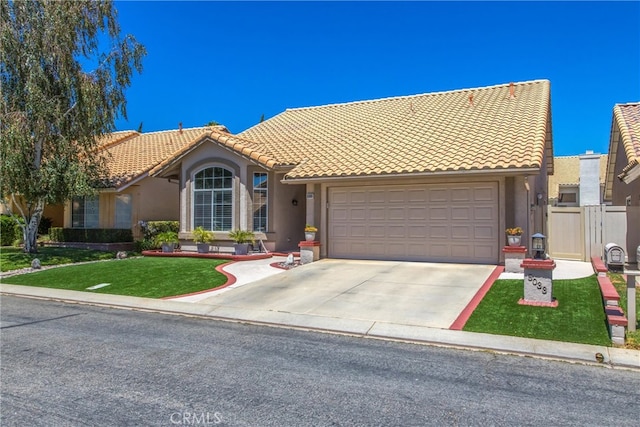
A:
[35,264]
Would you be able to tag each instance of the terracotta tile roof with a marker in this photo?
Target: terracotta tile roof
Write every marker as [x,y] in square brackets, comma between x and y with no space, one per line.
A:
[567,172]
[132,157]
[627,116]
[114,138]
[223,138]
[462,130]
[131,154]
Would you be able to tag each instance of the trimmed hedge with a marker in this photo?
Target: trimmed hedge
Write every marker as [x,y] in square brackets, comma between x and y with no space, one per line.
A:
[10,231]
[90,235]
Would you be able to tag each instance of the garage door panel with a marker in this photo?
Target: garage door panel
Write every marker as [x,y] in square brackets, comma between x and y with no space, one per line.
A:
[480,232]
[358,231]
[461,213]
[461,232]
[396,214]
[339,231]
[438,196]
[377,197]
[377,214]
[340,214]
[438,250]
[357,197]
[446,222]
[339,197]
[417,231]
[438,213]
[438,232]
[397,231]
[377,231]
[417,214]
[461,195]
[417,196]
[483,213]
[484,194]
[461,251]
[357,214]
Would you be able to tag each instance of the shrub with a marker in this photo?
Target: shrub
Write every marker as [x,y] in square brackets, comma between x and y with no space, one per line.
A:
[10,231]
[90,235]
[151,229]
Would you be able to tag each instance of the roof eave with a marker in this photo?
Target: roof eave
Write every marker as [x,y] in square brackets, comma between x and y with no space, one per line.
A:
[465,172]
[630,174]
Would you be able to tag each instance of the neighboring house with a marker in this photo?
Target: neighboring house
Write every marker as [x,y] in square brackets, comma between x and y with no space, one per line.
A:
[431,177]
[131,195]
[622,185]
[569,178]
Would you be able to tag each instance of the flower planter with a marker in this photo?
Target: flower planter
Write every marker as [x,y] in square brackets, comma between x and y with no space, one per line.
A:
[309,236]
[241,248]
[514,240]
[203,248]
[167,247]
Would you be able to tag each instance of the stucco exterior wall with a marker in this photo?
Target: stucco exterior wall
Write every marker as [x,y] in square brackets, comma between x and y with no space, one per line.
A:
[285,218]
[153,199]
[627,195]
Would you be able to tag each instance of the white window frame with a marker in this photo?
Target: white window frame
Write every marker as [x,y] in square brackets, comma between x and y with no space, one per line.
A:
[263,194]
[195,190]
[90,210]
[124,211]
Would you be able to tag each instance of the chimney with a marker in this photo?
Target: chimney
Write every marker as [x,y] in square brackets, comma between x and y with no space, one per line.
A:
[180,127]
[589,179]
[471,100]
[512,90]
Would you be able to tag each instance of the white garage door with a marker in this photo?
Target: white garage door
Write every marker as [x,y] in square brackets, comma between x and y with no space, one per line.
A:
[448,222]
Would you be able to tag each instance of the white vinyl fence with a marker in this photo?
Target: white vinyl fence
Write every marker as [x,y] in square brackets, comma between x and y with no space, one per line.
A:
[582,232]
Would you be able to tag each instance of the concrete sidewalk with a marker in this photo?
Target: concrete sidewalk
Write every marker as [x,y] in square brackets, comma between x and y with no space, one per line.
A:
[391,330]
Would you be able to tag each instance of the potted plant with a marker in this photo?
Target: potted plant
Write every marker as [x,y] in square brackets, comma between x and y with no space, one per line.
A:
[310,233]
[202,238]
[168,240]
[242,238]
[514,235]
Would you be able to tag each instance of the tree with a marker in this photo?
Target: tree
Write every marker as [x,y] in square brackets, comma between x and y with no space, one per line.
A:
[64,69]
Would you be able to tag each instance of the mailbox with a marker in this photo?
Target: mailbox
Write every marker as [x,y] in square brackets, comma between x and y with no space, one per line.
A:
[614,257]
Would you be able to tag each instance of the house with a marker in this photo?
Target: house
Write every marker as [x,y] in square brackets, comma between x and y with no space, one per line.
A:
[622,185]
[429,177]
[130,194]
[578,180]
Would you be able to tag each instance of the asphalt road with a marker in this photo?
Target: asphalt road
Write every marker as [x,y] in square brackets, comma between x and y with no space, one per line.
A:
[72,365]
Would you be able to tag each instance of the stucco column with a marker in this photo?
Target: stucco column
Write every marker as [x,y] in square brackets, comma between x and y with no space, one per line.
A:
[310,198]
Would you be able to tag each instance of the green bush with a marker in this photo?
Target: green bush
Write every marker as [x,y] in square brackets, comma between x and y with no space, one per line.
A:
[10,231]
[90,235]
[144,245]
[152,228]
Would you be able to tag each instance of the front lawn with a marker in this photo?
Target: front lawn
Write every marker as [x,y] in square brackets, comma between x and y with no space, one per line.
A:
[142,277]
[578,318]
[12,258]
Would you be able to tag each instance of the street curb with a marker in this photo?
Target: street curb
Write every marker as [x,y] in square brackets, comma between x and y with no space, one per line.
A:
[554,350]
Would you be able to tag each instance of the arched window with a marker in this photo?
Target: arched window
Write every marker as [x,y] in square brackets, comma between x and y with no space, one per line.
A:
[213,199]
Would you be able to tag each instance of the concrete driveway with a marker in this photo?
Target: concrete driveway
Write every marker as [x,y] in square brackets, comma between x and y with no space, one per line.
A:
[410,293]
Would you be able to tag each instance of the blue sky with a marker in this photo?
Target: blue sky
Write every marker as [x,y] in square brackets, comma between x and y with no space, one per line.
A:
[234,61]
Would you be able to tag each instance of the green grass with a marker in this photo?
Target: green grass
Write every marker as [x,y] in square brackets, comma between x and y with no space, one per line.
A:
[632,338]
[143,277]
[578,318]
[12,258]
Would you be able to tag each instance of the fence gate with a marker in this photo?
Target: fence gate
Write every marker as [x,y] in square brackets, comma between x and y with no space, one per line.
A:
[582,232]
